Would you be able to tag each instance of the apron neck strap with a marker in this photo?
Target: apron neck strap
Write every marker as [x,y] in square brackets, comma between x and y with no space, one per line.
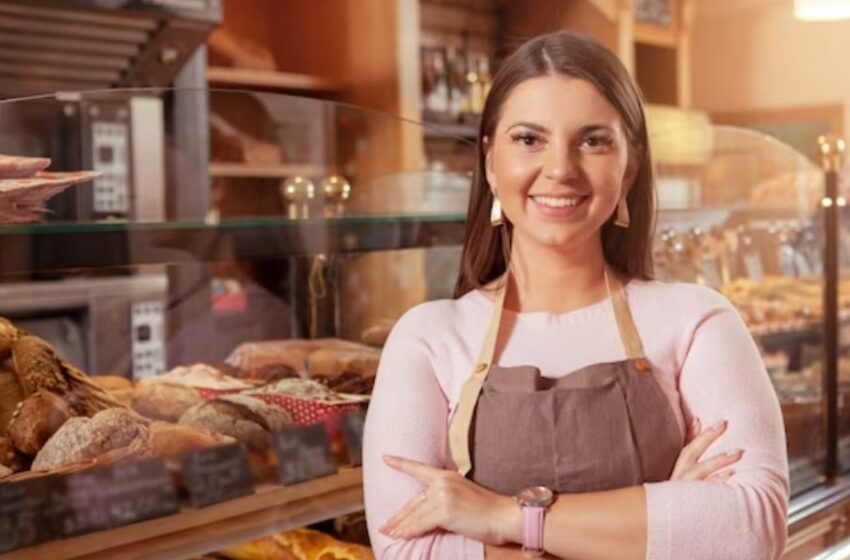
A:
[461,421]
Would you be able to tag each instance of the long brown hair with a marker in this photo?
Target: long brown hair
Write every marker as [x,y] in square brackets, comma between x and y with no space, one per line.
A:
[486,249]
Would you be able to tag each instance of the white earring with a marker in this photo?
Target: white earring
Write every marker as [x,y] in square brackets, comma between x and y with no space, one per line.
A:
[496,217]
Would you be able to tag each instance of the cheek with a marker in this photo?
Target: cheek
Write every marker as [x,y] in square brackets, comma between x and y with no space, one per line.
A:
[515,173]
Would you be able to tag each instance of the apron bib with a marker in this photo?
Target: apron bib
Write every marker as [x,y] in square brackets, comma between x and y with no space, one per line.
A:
[604,426]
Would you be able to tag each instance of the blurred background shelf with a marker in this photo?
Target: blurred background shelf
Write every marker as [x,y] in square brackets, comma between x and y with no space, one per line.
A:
[46,247]
[284,82]
[247,170]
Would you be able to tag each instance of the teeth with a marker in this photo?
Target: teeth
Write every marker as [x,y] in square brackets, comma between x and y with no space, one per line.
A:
[554,202]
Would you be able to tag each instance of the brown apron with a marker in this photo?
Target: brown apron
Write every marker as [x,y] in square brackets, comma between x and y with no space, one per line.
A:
[601,427]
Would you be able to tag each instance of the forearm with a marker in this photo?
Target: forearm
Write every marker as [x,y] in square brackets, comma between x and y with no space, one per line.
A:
[592,526]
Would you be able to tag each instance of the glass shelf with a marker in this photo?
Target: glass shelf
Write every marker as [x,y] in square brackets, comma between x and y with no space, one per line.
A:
[55,246]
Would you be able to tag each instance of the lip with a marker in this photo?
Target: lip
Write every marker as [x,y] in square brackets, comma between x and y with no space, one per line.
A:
[565,212]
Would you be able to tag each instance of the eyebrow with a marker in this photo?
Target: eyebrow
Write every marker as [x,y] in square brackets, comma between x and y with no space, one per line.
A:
[542,129]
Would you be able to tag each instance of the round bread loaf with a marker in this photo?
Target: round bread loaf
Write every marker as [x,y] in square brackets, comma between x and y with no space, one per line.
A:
[36,419]
[164,401]
[119,387]
[248,419]
[82,439]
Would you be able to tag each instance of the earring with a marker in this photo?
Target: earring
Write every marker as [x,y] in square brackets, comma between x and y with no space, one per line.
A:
[496,217]
[623,218]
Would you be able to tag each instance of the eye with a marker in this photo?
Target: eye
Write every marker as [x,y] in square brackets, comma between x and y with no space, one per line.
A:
[598,142]
[526,139]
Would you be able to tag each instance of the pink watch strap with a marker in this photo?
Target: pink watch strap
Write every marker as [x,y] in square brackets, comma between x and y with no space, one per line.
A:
[532,541]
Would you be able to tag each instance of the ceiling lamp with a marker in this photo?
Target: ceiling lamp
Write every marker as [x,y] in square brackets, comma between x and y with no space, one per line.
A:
[821,10]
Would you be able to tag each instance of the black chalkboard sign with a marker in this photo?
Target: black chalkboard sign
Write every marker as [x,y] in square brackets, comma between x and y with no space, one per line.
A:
[138,491]
[352,425]
[303,453]
[76,503]
[21,513]
[216,474]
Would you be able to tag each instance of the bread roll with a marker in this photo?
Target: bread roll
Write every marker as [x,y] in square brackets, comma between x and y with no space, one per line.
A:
[377,334]
[167,439]
[36,419]
[164,401]
[11,393]
[331,361]
[119,387]
[7,453]
[82,439]
[300,544]
[245,418]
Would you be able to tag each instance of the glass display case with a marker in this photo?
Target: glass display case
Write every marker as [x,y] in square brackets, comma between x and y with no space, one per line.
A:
[189,338]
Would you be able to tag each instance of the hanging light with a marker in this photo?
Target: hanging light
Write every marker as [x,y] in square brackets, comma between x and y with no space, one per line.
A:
[821,10]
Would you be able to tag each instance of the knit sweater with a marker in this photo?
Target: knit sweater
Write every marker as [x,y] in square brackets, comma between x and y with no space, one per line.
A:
[702,356]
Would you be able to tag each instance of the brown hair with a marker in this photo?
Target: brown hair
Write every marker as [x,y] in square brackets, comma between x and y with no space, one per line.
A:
[486,249]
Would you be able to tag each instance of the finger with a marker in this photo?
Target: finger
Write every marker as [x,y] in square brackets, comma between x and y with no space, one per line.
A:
[422,520]
[420,471]
[695,449]
[721,477]
[409,507]
[711,466]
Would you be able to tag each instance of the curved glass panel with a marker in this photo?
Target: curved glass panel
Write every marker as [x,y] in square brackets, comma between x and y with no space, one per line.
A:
[741,216]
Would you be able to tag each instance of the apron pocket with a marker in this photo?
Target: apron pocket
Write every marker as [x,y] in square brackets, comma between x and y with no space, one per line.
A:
[513,441]
[595,447]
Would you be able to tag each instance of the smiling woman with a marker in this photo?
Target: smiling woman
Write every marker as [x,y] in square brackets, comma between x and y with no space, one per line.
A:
[556,406]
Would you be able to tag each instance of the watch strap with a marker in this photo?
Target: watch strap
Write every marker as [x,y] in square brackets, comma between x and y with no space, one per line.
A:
[532,537]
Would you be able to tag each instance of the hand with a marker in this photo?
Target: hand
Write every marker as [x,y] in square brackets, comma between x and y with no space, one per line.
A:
[687,467]
[454,504]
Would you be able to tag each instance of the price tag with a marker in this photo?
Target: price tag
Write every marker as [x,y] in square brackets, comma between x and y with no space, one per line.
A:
[303,453]
[21,507]
[352,425]
[76,504]
[752,263]
[138,491]
[217,474]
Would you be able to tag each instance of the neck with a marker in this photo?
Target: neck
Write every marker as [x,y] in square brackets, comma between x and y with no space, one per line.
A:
[550,279]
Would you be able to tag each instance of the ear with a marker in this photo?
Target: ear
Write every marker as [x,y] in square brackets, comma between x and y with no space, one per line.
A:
[488,164]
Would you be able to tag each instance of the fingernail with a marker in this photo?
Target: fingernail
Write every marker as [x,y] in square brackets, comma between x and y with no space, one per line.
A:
[390,460]
[737,453]
[719,426]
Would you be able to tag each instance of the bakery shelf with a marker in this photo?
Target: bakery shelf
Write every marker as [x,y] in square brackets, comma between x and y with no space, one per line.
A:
[247,170]
[193,532]
[48,247]
[222,77]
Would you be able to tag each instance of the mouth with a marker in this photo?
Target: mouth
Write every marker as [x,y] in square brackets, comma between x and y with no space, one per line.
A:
[559,206]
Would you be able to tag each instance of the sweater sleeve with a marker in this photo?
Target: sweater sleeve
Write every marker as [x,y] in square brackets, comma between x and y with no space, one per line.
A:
[407,417]
[723,377]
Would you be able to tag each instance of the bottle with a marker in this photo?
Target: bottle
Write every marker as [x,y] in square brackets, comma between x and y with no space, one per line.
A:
[476,87]
[485,77]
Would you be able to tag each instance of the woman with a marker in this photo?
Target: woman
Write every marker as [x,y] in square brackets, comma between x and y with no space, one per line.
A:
[558,403]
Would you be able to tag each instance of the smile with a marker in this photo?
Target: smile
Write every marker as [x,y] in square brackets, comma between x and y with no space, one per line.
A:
[558,201]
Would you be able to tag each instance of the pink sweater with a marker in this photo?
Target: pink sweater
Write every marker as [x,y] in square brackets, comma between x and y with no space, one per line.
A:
[703,357]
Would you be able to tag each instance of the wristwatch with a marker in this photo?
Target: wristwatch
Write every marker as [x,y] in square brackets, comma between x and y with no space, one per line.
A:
[534,502]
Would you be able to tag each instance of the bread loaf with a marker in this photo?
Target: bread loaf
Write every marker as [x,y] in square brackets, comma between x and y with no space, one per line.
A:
[164,401]
[119,387]
[167,439]
[36,419]
[245,418]
[11,394]
[82,439]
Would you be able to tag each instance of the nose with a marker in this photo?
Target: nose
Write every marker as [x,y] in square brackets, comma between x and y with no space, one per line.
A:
[560,165]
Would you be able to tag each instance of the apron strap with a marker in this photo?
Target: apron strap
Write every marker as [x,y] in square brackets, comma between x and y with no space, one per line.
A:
[469,393]
[461,420]
[625,322]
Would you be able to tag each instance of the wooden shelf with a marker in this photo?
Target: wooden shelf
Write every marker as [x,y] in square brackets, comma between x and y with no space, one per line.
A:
[200,531]
[656,35]
[222,77]
[248,170]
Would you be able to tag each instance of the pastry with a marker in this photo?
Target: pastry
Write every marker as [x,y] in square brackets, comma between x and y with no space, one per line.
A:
[82,439]
[36,419]
[377,334]
[245,418]
[300,544]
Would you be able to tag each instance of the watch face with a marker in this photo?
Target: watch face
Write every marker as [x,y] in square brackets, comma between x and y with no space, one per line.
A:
[536,496]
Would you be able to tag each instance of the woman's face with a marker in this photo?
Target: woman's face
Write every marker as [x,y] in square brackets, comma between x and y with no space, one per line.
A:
[558,161]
